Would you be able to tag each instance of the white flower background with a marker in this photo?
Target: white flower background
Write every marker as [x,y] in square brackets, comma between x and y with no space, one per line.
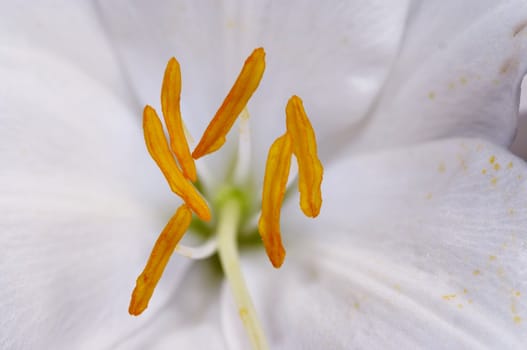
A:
[422,237]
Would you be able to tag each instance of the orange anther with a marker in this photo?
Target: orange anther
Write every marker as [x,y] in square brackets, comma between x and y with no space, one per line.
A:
[170,103]
[305,149]
[163,249]
[158,148]
[275,181]
[248,80]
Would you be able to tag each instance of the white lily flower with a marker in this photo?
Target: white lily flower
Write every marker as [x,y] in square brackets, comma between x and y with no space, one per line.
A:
[422,237]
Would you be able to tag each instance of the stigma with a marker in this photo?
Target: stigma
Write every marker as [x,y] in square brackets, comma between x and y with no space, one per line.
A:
[177,163]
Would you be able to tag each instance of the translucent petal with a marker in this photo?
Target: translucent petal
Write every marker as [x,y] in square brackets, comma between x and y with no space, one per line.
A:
[413,248]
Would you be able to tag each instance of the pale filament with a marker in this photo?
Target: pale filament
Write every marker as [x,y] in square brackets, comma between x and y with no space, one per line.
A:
[202,251]
[243,161]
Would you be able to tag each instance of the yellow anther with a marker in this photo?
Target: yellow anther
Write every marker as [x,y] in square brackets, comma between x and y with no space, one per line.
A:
[305,149]
[158,148]
[248,80]
[170,103]
[163,249]
[275,181]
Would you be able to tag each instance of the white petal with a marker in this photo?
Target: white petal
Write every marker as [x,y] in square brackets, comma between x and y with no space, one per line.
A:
[458,74]
[65,29]
[334,55]
[414,248]
[81,206]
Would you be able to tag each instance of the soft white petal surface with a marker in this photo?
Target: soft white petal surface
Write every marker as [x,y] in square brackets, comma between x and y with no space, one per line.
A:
[415,248]
[82,204]
[458,74]
[334,56]
[68,30]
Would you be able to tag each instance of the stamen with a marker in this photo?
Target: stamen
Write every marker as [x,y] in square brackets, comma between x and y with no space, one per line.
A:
[163,249]
[246,83]
[305,149]
[275,180]
[170,103]
[228,222]
[243,161]
[158,148]
[202,251]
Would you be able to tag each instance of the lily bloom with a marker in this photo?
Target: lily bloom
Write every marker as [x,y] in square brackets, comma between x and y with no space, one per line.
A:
[420,241]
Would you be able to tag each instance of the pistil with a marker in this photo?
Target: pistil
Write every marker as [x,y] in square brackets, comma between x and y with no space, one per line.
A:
[229,219]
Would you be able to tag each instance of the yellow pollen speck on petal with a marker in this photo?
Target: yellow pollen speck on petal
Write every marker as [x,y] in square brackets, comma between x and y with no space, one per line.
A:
[274,187]
[497,166]
[510,165]
[244,87]
[494,181]
[163,249]
[157,146]
[476,272]
[492,159]
[483,171]
[449,297]
[310,168]
[441,167]
[431,95]
[170,103]
[492,257]
[517,319]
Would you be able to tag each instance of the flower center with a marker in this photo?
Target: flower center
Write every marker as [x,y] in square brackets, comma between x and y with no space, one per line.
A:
[232,205]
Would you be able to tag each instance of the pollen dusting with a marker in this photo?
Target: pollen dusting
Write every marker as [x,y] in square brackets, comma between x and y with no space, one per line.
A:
[500,272]
[494,181]
[428,196]
[243,312]
[483,171]
[517,293]
[441,167]
[517,319]
[520,177]
[449,297]
[497,166]
[356,305]
[463,80]
[431,95]
[511,211]
[510,165]
[397,288]
[519,28]
[451,85]
[476,272]
[492,257]
[492,159]
[507,65]
[460,306]
[465,291]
